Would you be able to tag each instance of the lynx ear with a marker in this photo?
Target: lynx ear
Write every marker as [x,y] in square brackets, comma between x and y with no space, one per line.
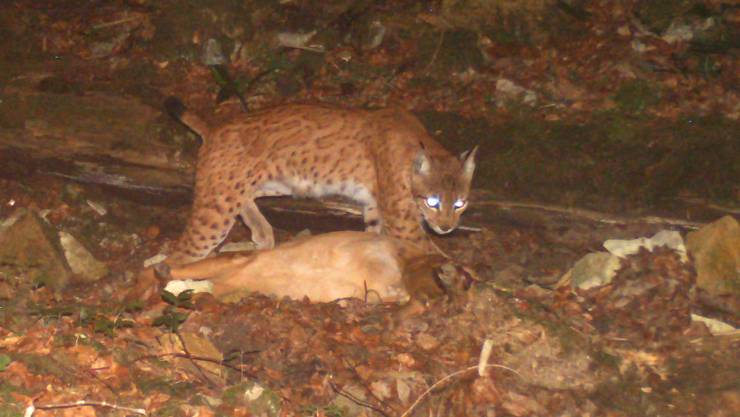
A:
[468,160]
[421,164]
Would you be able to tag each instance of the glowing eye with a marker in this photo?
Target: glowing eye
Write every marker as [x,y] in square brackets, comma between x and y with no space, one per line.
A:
[432,201]
[460,204]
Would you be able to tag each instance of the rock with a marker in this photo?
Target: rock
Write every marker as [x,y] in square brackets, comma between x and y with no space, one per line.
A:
[684,32]
[716,327]
[641,47]
[80,260]
[212,53]
[407,383]
[668,238]
[381,390]
[6,291]
[299,41]
[376,33]
[30,244]
[678,32]
[427,341]
[507,90]
[593,270]
[715,249]
[197,345]
[403,390]
[158,258]
[178,286]
[649,299]
[350,408]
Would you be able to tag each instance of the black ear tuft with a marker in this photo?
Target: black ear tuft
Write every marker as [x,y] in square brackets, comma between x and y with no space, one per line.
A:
[174,107]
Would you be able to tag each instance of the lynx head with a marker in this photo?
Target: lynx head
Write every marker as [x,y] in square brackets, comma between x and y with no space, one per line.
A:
[440,187]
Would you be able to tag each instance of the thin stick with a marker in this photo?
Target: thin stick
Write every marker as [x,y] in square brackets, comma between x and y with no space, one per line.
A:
[592,215]
[116,22]
[436,52]
[448,377]
[197,366]
[82,403]
[356,400]
[221,362]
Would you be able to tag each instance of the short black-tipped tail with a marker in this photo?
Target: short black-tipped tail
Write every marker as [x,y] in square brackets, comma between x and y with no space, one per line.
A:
[179,112]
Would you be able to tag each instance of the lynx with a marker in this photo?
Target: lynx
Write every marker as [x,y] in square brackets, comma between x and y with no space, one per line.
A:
[384,160]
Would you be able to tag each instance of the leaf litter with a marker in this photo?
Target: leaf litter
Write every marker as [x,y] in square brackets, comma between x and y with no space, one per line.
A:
[596,83]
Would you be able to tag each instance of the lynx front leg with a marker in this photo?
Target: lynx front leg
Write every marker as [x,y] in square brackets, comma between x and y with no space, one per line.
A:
[262,234]
[406,224]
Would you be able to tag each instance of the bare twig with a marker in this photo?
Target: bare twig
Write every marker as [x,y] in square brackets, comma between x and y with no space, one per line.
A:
[116,22]
[485,353]
[195,364]
[356,400]
[436,52]
[221,362]
[592,215]
[710,205]
[82,403]
[447,378]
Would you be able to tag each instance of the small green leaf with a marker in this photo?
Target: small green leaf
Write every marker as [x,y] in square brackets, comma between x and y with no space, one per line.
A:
[4,361]
[169,298]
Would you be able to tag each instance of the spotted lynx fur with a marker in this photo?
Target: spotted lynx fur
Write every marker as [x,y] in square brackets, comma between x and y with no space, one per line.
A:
[384,160]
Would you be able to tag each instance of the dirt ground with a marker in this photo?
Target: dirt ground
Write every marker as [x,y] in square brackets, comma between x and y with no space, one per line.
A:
[595,121]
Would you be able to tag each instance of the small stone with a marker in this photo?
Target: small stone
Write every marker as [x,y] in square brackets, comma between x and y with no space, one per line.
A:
[641,47]
[403,390]
[678,32]
[716,327]
[406,360]
[6,291]
[212,53]
[715,249]
[29,243]
[381,390]
[507,90]
[668,238]
[299,41]
[594,269]
[80,260]
[376,34]
[427,341]
[178,286]
[152,232]
[352,408]
[154,260]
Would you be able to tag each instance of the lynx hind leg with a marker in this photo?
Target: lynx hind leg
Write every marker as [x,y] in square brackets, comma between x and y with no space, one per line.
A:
[262,234]
[371,216]
[207,227]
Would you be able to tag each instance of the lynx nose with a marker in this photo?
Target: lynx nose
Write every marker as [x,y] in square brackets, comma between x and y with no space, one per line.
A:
[443,229]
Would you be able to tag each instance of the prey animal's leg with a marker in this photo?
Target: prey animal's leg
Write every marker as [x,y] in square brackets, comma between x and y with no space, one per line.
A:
[262,234]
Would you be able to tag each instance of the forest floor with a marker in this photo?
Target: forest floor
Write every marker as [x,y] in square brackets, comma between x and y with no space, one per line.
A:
[595,121]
